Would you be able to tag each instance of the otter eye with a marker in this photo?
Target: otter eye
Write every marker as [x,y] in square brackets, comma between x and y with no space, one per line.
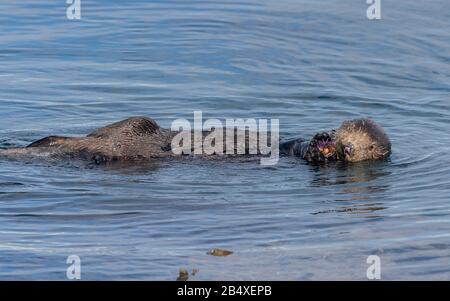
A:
[371,147]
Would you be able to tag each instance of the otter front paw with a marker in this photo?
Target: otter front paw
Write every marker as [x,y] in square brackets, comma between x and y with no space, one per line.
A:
[321,148]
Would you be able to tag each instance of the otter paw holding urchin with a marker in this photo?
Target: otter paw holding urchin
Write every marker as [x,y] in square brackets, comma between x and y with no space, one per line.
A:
[321,148]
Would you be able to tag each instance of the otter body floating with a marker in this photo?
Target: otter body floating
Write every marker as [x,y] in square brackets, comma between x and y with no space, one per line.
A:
[140,138]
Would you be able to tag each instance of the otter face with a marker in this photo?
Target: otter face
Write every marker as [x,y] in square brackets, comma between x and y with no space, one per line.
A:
[360,140]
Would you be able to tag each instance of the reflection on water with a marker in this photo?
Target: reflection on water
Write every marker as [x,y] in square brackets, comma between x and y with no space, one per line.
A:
[308,63]
[357,189]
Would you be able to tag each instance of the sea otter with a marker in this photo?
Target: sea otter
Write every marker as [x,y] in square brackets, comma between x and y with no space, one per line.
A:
[141,138]
[354,141]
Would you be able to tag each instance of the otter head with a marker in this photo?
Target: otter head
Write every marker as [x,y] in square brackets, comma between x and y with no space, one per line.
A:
[360,140]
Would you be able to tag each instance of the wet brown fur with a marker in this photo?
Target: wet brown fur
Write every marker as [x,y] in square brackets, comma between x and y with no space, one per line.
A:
[131,139]
[369,140]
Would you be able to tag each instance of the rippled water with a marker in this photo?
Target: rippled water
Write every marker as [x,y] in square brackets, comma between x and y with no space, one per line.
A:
[312,64]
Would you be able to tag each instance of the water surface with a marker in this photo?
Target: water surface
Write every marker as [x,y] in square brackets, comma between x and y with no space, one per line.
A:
[310,64]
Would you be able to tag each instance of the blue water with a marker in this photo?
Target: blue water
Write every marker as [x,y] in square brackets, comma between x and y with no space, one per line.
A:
[311,64]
